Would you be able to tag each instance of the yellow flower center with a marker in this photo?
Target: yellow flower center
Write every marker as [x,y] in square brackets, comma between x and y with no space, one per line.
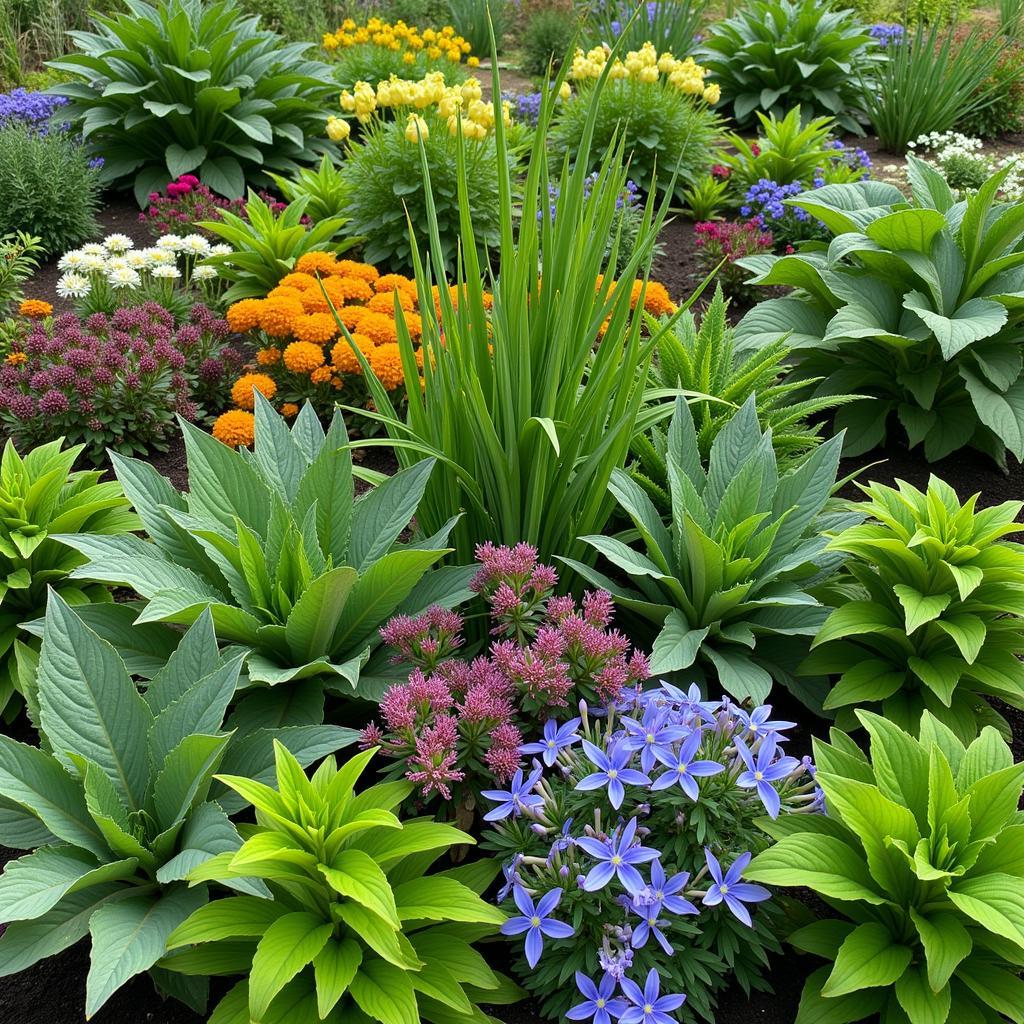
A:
[535,921]
[616,860]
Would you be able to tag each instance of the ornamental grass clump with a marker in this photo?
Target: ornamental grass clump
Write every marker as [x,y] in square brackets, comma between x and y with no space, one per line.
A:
[119,802]
[928,611]
[630,838]
[458,723]
[355,928]
[919,858]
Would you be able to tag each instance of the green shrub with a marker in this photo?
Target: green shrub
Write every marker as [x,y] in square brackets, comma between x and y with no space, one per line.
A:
[186,86]
[671,25]
[19,260]
[1004,91]
[777,54]
[547,38]
[273,544]
[727,583]
[325,187]
[928,611]
[473,20]
[919,858]
[119,802]
[47,187]
[40,495]
[355,928]
[915,308]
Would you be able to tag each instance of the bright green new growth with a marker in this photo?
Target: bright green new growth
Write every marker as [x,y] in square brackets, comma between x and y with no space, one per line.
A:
[20,253]
[273,543]
[729,579]
[265,246]
[704,361]
[41,496]
[325,186]
[116,802]
[915,304]
[921,852]
[928,611]
[355,931]
[183,86]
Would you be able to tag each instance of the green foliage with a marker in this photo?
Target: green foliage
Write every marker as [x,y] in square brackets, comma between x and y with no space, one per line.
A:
[668,135]
[40,495]
[1004,88]
[299,22]
[928,611]
[547,40]
[325,187]
[184,86]
[356,930]
[920,857]
[705,198]
[931,81]
[273,544]
[777,54]
[704,361]
[119,802]
[525,411]
[915,305]
[475,19]
[19,260]
[47,188]
[671,25]
[385,180]
[265,246]
[964,172]
[728,581]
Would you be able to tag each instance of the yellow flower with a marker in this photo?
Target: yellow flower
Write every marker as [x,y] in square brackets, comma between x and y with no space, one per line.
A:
[303,357]
[314,262]
[235,427]
[15,358]
[564,91]
[276,316]
[315,327]
[473,62]
[416,129]
[353,268]
[242,389]
[713,93]
[338,129]
[344,360]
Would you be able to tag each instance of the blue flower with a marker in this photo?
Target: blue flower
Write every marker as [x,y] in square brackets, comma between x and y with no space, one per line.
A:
[683,769]
[612,772]
[598,1004]
[666,890]
[556,738]
[648,909]
[510,871]
[648,1006]
[761,772]
[758,722]
[616,858]
[730,890]
[536,922]
[519,797]
[653,736]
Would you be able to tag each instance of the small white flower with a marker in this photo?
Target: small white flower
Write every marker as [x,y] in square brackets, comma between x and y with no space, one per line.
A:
[169,243]
[124,277]
[195,245]
[138,259]
[73,285]
[71,260]
[166,272]
[93,249]
[116,263]
[118,243]
[204,273]
[92,264]
[158,257]
[220,250]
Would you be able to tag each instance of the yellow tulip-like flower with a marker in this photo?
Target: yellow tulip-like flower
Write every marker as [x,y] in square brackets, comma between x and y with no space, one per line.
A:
[416,129]
[648,74]
[473,62]
[713,93]
[338,129]
[564,91]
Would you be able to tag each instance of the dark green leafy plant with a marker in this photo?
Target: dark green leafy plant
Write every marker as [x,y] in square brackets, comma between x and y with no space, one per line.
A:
[728,582]
[41,496]
[273,543]
[920,857]
[928,611]
[773,55]
[19,260]
[547,38]
[355,930]
[670,24]
[914,304]
[116,803]
[183,86]
[474,20]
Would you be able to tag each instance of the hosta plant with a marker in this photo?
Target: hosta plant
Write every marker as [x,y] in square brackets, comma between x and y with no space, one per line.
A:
[928,611]
[117,803]
[915,304]
[273,543]
[40,495]
[727,582]
[182,86]
[920,858]
[356,930]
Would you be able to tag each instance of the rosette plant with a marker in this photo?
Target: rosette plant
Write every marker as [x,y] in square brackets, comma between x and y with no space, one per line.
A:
[118,803]
[929,610]
[272,542]
[728,582]
[920,857]
[40,495]
[355,929]
[914,304]
[183,86]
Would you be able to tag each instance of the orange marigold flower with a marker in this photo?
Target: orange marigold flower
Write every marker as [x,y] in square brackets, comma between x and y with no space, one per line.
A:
[353,289]
[386,362]
[245,315]
[242,389]
[384,302]
[314,302]
[311,262]
[657,301]
[321,375]
[14,358]
[316,327]
[352,316]
[353,268]
[268,356]
[335,291]
[414,323]
[277,315]
[35,308]
[378,327]
[235,427]
[302,282]
[303,356]
[289,409]
[395,282]
[343,359]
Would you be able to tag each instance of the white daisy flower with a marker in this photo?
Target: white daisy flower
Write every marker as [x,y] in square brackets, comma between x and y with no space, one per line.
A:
[116,263]
[92,264]
[204,273]
[195,245]
[158,257]
[93,249]
[138,259]
[220,250]
[73,285]
[124,277]
[166,272]
[118,243]
[169,243]
[71,260]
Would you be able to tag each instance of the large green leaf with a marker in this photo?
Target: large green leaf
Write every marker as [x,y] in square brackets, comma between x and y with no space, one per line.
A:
[385,993]
[288,945]
[356,875]
[995,901]
[870,957]
[315,616]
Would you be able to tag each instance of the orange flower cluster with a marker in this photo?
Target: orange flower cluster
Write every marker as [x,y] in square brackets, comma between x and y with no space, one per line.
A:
[35,309]
[305,354]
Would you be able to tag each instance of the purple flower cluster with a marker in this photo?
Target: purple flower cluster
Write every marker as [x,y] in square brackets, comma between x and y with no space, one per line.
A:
[628,200]
[32,108]
[887,34]
[764,201]
[525,107]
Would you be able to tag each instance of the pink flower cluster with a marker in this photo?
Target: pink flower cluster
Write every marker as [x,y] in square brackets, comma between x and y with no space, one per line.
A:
[461,721]
[731,240]
[113,380]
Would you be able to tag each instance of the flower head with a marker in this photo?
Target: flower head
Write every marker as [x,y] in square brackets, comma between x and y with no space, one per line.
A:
[599,1004]
[648,1006]
[518,799]
[730,890]
[611,772]
[762,771]
[616,858]
[536,922]
[556,737]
